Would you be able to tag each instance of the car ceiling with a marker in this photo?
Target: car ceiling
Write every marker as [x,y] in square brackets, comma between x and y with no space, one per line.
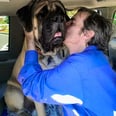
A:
[9,7]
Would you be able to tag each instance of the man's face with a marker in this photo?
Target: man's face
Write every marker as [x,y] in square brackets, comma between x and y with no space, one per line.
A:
[74,32]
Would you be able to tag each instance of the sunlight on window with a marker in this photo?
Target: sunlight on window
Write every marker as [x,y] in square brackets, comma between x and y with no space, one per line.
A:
[114,19]
[71,13]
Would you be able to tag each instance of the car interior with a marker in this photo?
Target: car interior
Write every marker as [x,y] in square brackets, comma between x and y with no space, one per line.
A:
[12,35]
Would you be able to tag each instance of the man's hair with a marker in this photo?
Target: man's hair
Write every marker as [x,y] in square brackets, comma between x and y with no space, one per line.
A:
[101,26]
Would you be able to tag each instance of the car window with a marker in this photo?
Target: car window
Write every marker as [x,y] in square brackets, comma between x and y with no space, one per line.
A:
[114,18]
[4,33]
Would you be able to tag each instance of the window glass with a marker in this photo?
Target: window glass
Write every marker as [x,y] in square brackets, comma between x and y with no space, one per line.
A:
[114,19]
[71,13]
[4,33]
[114,25]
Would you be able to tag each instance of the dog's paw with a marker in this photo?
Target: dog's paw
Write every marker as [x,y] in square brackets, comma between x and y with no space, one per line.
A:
[25,16]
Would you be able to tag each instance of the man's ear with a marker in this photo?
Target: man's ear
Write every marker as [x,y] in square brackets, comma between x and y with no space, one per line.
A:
[89,34]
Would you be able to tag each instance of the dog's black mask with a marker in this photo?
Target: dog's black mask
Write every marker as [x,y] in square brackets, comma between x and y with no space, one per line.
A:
[53,30]
[51,24]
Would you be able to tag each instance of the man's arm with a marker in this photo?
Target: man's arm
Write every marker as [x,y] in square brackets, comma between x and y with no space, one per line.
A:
[30,40]
[48,86]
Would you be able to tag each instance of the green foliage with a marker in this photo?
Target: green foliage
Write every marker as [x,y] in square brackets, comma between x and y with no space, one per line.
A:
[4,20]
[114,19]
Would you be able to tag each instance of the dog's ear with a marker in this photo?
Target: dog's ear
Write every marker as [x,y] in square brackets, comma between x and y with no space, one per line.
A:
[25,15]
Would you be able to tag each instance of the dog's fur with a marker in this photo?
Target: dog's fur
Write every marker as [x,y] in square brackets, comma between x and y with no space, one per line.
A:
[45,18]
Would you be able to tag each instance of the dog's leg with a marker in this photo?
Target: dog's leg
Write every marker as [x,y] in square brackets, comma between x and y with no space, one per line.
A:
[40,109]
[25,15]
[14,98]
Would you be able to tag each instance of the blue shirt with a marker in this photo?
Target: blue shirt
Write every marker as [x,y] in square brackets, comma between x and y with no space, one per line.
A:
[84,83]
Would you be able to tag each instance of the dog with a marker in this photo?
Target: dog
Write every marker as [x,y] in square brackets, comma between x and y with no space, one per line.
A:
[46,18]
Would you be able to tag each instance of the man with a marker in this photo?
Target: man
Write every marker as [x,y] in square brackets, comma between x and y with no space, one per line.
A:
[84,83]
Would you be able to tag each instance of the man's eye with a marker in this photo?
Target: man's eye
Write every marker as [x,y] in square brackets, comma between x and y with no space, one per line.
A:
[72,22]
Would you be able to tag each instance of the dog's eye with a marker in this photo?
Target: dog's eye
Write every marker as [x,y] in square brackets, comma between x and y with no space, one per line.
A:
[58,19]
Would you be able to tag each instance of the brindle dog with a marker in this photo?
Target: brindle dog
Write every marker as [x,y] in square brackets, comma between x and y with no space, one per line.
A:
[46,18]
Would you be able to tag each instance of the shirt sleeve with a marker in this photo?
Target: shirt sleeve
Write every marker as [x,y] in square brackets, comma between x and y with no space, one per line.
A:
[55,86]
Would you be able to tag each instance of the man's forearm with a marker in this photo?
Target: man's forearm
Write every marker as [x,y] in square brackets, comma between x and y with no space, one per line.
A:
[30,40]
[30,44]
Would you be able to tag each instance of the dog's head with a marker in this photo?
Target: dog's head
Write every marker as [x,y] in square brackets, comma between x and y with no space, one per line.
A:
[47,19]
